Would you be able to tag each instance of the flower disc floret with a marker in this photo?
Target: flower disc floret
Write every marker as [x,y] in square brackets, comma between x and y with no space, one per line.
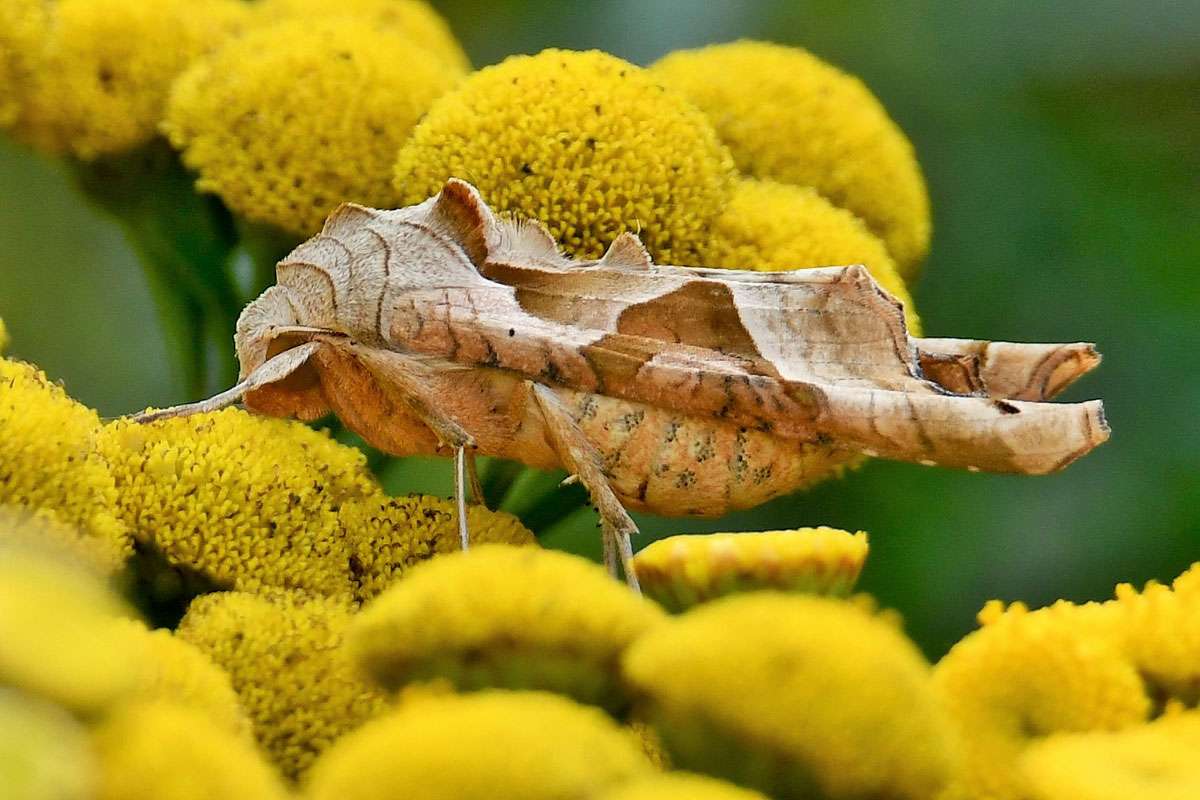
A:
[293,119]
[795,696]
[528,745]
[788,115]
[504,617]
[586,143]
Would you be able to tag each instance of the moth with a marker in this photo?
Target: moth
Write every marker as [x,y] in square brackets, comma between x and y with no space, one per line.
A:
[442,327]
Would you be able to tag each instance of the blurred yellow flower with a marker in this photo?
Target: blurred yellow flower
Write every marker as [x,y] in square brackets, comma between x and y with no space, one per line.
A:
[293,119]
[49,458]
[23,27]
[252,502]
[1157,761]
[389,535]
[285,658]
[1028,674]
[416,19]
[1162,627]
[777,226]
[587,143]
[680,786]
[795,696]
[44,753]
[681,571]
[504,617]
[3,337]
[104,68]
[788,115]
[527,745]
[56,632]
[43,529]
[166,751]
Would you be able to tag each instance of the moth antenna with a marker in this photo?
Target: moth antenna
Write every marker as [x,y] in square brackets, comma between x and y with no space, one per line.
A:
[270,371]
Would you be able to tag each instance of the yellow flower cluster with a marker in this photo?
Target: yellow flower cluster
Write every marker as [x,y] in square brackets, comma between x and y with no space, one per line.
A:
[796,696]
[94,78]
[49,464]
[496,616]
[777,226]
[587,143]
[681,571]
[527,745]
[1163,636]
[292,119]
[23,26]
[285,658]
[787,115]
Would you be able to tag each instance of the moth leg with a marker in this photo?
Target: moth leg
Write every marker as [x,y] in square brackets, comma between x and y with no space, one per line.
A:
[473,478]
[580,456]
[273,369]
[460,496]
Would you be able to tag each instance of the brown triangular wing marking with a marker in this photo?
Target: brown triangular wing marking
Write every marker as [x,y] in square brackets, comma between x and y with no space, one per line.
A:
[1008,370]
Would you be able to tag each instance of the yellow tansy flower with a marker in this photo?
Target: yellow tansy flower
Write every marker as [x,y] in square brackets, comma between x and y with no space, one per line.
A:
[44,753]
[288,667]
[416,19]
[43,529]
[48,458]
[1162,633]
[293,119]
[1158,761]
[507,617]
[795,696]
[1028,674]
[171,752]
[776,226]
[23,28]
[528,745]
[389,535]
[105,68]
[252,502]
[679,786]
[790,116]
[56,632]
[681,571]
[587,143]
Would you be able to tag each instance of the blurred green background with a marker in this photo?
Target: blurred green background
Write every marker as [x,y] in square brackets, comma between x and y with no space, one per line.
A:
[1061,143]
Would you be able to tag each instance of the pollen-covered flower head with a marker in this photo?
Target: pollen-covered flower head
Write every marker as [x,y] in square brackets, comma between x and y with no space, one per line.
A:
[796,696]
[50,463]
[1156,761]
[416,19]
[249,501]
[45,753]
[681,571]
[505,617]
[777,226]
[1028,674]
[1162,634]
[100,78]
[292,119]
[168,751]
[788,115]
[679,786]
[529,745]
[285,658]
[587,143]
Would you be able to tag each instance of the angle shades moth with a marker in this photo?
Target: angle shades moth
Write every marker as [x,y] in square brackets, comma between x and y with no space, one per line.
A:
[671,389]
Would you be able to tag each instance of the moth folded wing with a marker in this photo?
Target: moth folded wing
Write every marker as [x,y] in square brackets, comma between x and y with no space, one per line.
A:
[1008,370]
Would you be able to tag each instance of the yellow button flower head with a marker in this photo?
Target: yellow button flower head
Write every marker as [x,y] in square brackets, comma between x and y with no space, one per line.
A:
[49,458]
[56,632]
[249,501]
[1162,629]
[587,143]
[106,66]
[44,753]
[1158,761]
[416,19]
[172,752]
[681,571]
[795,696]
[788,115]
[680,786]
[776,226]
[1029,674]
[23,27]
[286,661]
[506,617]
[391,534]
[528,745]
[292,119]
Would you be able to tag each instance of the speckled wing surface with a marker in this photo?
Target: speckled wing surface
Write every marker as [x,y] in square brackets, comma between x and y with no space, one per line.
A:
[814,355]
